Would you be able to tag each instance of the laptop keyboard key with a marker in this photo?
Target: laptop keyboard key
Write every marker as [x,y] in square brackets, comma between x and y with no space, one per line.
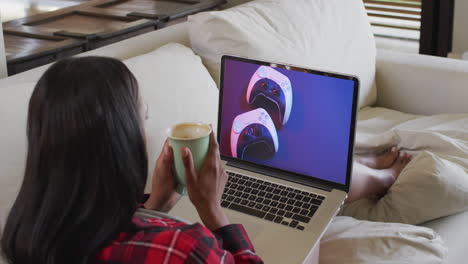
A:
[291,195]
[311,213]
[237,200]
[316,202]
[252,197]
[304,212]
[266,202]
[306,206]
[306,199]
[293,223]
[274,203]
[300,227]
[248,190]
[320,197]
[278,219]
[269,195]
[276,191]
[262,187]
[291,201]
[255,185]
[259,200]
[281,206]
[270,217]
[246,210]
[281,212]
[245,195]
[283,199]
[269,189]
[262,194]
[285,223]
[230,198]
[276,197]
[254,191]
[296,210]
[273,210]
[225,204]
[251,204]
[298,203]
[266,208]
[288,215]
[248,184]
[244,202]
[288,208]
[299,197]
[259,206]
[301,218]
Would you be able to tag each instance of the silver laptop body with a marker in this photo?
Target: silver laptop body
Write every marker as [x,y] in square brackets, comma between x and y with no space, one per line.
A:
[283,199]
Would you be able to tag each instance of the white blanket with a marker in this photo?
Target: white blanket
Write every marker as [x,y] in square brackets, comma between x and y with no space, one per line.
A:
[362,242]
[434,184]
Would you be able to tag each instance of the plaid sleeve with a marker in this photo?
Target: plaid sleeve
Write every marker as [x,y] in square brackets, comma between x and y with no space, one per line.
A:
[234,239]
[205,247]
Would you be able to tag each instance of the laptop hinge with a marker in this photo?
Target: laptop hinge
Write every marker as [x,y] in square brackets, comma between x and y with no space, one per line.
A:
[279,175]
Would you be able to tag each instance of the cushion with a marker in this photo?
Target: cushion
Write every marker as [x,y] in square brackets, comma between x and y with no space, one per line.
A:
[332,35]
[177,88]
[14,101]
[434,184]
[348,240]
[173,82]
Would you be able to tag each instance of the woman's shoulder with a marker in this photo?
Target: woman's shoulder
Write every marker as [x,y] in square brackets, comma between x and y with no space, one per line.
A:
[156,238]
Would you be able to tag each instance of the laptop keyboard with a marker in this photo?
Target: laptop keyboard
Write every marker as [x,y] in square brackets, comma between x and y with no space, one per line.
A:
[272,202]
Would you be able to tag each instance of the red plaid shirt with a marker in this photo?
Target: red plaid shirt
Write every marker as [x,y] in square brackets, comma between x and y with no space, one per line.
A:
[160,240]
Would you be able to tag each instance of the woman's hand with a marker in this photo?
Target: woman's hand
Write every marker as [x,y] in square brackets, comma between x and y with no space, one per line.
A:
[163,196]
[206,187]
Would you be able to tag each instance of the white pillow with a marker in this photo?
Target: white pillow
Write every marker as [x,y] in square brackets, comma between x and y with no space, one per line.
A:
[177,88]
[14,101]
[330,35]
[348,240]
[428,188]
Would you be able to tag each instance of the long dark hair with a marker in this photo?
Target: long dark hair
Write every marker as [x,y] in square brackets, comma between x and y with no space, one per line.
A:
[86,166]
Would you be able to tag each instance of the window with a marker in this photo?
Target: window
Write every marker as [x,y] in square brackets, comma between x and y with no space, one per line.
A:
[425,24]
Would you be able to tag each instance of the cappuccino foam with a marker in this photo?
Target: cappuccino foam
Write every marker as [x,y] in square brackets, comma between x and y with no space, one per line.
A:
[190,131]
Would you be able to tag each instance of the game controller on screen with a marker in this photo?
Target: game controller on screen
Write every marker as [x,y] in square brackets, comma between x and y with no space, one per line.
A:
[269,92]
[270,89]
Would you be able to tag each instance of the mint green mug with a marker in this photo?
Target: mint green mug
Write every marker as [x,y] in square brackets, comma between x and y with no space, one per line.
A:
[194,136]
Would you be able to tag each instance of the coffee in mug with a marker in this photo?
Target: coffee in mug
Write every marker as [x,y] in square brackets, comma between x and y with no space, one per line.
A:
[194,136]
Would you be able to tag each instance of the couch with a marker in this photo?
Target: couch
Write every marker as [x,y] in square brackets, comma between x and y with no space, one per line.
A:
[409,83]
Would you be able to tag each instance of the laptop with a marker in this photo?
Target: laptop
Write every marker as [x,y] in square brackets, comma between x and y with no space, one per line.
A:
[286,135]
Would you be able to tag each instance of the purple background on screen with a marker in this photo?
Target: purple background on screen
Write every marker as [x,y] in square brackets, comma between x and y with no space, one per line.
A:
[315,140]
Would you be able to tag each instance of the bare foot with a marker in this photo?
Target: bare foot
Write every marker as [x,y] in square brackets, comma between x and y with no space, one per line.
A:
[387,177]
[381,161]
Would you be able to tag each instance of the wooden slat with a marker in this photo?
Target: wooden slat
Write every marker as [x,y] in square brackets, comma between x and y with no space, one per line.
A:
[393,10]
[395,26]
[415,3]
[395,17]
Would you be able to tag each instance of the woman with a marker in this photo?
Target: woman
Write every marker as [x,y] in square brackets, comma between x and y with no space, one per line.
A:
[85,175]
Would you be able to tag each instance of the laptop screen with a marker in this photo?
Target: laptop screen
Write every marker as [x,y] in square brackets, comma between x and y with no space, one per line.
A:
[287,118]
